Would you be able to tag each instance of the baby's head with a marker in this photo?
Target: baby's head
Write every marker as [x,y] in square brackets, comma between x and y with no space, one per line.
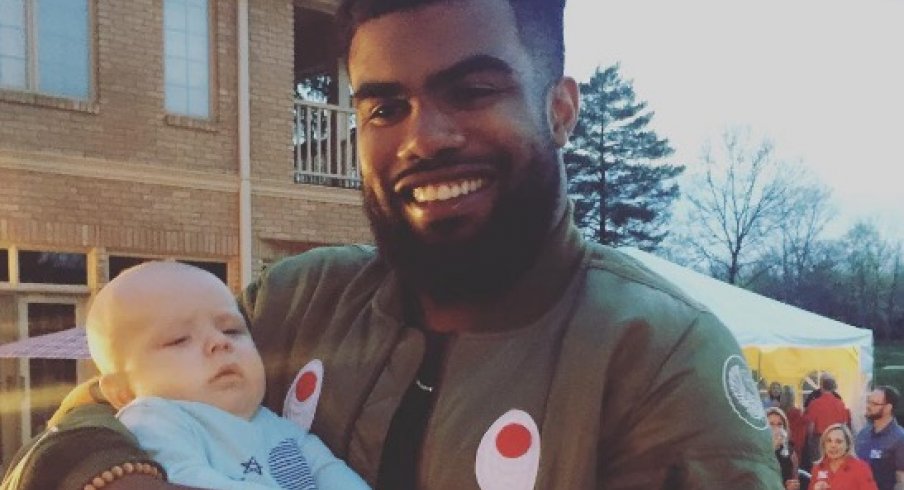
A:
[174,331]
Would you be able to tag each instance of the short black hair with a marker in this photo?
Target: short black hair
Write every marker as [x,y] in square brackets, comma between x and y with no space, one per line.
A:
[540,25]
[892,395]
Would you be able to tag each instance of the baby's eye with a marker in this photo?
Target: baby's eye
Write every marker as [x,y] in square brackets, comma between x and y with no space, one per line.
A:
[234,331]
[177,341]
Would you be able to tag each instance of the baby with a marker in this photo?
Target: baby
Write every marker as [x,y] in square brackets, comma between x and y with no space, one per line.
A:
[176,358]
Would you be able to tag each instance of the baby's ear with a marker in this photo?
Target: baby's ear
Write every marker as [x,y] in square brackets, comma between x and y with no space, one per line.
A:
[115,388]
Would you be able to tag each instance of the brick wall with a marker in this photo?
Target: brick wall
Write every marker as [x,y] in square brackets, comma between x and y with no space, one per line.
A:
[303,220]
[65,212]
[126,125]
[271,46]
[127,121]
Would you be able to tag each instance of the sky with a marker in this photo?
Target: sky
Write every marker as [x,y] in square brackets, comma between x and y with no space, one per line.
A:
[823,79]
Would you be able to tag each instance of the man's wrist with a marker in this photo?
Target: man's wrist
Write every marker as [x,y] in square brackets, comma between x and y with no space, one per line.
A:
[120,471]
[137,481]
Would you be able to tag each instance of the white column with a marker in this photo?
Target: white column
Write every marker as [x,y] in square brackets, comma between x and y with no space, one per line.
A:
[244,147]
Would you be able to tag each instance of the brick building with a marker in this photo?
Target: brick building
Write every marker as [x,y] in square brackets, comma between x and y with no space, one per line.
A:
[210,131]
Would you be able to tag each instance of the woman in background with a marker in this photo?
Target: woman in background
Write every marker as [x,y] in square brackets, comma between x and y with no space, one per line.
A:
[784,450]
[837,467]
[797,425]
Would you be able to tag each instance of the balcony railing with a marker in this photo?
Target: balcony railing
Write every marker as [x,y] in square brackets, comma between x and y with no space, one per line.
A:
[325,148]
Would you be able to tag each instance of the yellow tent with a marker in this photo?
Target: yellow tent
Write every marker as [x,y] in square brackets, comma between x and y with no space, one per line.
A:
[782,343]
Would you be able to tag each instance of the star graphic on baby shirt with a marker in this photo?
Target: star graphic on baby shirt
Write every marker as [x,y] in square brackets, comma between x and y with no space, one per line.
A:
[252,466]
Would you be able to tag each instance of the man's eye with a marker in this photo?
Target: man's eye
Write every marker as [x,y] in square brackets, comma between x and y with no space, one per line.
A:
[387,112]
[468,96]
[177,341]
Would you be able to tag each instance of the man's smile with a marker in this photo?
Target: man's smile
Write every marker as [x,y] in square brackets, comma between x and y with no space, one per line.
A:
[433,194]
[447,190]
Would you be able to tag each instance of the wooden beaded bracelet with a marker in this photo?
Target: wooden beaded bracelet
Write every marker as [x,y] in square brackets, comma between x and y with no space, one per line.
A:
[119,471]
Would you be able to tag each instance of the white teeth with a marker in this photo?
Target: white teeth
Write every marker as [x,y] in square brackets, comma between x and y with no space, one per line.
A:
[446,190]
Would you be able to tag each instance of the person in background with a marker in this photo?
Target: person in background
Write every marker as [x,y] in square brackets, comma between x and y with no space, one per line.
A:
[797,424]
[817,393]
[838,467]
[784,448]
[881,442]
[825,410]
[773,394]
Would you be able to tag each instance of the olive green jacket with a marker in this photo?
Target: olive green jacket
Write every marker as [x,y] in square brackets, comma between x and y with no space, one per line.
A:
[626,382]
[619,379]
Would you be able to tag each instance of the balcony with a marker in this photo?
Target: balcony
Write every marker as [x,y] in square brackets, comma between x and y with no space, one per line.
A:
[325,149]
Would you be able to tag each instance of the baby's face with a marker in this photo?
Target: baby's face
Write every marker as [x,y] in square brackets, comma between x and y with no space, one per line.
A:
[190,342]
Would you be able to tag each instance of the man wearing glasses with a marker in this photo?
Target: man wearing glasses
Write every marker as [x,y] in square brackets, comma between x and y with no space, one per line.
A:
[881,443]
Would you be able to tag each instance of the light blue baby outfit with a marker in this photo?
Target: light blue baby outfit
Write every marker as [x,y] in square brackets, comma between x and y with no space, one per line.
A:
[201,445]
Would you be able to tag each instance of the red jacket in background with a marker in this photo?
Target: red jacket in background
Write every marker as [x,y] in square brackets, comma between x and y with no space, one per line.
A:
[853,474]
[827,410]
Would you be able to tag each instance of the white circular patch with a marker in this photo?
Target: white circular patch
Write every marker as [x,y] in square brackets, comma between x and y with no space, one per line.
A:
[742,392]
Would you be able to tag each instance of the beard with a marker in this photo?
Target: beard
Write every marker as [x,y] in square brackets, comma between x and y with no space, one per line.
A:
[486,264]
[874,416]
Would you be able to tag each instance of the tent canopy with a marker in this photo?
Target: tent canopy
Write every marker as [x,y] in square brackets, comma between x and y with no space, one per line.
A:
[756,319]
[781,342]
[65,344]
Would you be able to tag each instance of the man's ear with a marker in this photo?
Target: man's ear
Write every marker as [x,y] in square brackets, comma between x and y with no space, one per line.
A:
[115,388]
[564,108]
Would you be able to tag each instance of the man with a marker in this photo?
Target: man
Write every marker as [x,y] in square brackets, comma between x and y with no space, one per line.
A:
[816,394]
[823,411]
[484,344]
[773,395]
[881,443]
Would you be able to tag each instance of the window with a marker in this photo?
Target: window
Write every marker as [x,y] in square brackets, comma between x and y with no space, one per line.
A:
[12,44]
[216,268]
[4,265]
[52,267]
[44,47]
[187,57]
[119,263]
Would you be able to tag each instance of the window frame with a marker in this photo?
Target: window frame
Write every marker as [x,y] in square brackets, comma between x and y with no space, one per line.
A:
[8,265]
[183,259]
[184,119]
[32,67]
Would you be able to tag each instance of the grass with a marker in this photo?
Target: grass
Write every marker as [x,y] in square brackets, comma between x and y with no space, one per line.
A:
[890,354]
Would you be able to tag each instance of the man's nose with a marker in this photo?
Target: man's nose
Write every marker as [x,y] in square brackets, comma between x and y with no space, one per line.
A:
[430,130]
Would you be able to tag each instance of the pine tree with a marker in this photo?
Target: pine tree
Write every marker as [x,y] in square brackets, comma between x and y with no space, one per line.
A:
[621,189]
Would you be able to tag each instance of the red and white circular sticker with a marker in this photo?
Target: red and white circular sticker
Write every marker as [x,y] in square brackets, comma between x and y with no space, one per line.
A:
[301,401]
[508,456]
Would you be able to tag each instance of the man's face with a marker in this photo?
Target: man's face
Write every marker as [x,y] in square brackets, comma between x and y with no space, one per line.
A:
[459,163]
[876,408]
[188,341]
